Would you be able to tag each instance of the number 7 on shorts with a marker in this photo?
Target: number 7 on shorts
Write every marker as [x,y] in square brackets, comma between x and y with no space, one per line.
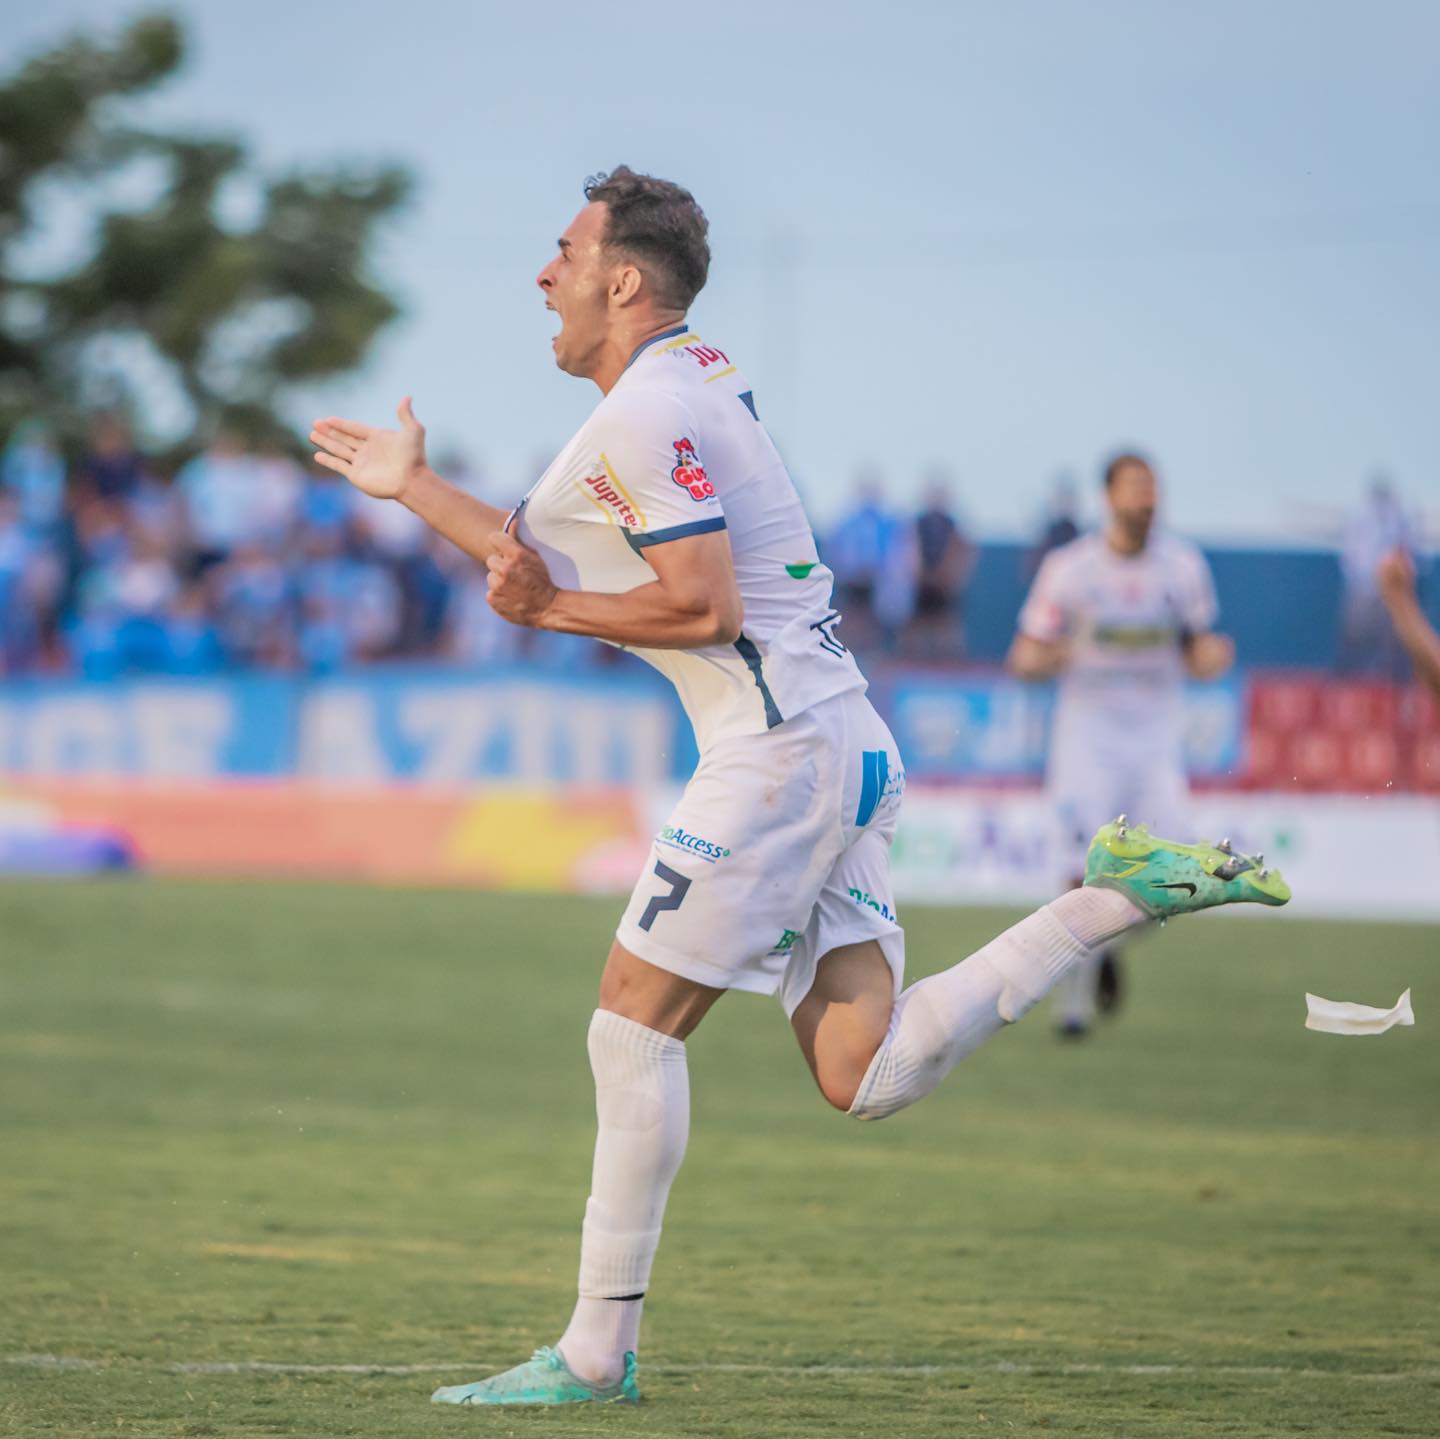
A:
[679,886]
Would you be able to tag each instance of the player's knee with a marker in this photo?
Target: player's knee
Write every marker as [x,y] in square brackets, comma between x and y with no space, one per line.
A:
[653,997]
[840,1076]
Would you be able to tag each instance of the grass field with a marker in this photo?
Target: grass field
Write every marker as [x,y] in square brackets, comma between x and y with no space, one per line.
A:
[306,1127]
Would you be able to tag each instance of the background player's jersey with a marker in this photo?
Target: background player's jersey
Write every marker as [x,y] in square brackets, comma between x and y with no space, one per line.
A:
[676,449]
[1125,618]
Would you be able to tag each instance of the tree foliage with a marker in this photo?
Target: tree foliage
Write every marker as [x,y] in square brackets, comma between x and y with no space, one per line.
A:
[175,307]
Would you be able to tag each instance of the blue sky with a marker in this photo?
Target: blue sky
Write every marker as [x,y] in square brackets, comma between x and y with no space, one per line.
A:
[1000,238]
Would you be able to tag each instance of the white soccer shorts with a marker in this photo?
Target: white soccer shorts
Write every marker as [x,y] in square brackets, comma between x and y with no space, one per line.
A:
[777,852]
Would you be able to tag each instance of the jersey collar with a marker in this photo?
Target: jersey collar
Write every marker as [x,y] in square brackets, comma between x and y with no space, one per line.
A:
[655,340]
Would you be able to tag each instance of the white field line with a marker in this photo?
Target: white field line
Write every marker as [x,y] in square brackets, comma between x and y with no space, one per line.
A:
[895,1371]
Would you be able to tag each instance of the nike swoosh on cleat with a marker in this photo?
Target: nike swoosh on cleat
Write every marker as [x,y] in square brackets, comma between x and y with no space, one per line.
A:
[1183,884]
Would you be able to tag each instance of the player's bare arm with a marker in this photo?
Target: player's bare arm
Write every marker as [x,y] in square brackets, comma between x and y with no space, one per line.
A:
[1036,659]
[1208,655]
[1396,577]
[391,465]
[693,601]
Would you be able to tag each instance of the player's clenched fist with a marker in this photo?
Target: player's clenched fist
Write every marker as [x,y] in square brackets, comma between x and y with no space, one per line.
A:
[519,584]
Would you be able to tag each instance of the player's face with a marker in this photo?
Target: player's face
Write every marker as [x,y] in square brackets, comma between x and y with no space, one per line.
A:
[1132,497]
[577,284]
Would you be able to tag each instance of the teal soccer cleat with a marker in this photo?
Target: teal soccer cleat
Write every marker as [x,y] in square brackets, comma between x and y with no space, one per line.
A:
[544,1378]
[1165,878]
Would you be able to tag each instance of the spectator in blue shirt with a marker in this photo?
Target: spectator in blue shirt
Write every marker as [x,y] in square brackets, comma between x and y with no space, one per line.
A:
[860,553]
[223,496]
[33,471]
[112,468]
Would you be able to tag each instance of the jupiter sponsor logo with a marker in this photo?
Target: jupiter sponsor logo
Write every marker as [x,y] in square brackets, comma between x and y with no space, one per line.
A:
[603,490]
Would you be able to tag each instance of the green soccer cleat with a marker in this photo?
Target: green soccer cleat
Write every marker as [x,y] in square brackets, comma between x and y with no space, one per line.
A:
[1165,878]
[544,1378]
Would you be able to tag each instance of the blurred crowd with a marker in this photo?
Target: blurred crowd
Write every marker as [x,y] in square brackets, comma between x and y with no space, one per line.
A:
[244,559]
[901,579]
[238,559]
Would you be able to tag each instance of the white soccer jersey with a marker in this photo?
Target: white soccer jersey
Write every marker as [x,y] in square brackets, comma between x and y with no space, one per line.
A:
[675,449]
[1125,618]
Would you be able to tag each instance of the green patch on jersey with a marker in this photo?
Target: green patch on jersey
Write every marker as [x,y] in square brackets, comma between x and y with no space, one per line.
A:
[801,572]
[1136,637]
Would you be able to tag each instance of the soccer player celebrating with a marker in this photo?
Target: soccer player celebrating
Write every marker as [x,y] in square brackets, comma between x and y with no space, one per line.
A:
[1121,617]
[669,526]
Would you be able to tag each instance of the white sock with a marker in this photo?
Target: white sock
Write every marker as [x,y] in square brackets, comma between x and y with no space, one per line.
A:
[642,1105]
[600,1334]
[940,1020]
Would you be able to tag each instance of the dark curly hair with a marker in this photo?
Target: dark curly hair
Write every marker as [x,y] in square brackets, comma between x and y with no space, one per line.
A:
[658,225]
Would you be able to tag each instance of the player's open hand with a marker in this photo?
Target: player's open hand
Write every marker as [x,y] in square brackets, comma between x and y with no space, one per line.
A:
[520,589]
[377,462]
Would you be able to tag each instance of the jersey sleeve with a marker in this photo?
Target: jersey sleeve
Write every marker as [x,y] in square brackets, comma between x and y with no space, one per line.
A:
[1199,609]
[649,450]
[1048,611]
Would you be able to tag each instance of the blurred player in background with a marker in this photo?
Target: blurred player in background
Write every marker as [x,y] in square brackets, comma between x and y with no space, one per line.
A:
[669,526]
[1396,577]
[1121,618]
